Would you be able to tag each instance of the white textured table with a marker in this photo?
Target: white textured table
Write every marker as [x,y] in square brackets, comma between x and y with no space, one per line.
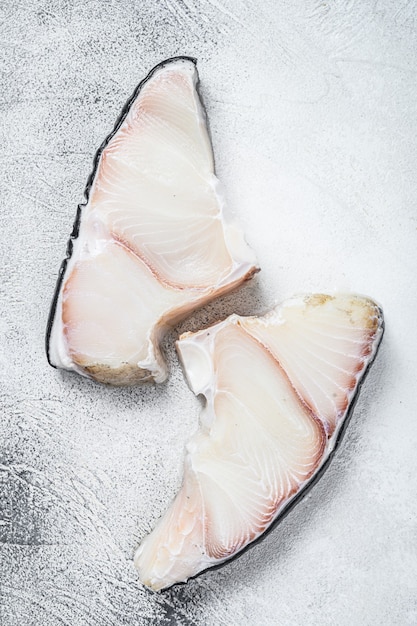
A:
[313,114]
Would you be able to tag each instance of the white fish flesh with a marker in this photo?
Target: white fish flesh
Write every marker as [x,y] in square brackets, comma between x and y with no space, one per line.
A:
[152,243]
[278,390]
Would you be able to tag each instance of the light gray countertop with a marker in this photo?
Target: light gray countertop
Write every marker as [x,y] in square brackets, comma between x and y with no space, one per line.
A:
[313,115]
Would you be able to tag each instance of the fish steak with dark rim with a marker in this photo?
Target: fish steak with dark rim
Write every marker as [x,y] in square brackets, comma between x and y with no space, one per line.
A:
[152,243]
[278,392]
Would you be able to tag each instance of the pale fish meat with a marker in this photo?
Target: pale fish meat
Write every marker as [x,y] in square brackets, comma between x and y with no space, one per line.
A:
[278,391]
[152,242]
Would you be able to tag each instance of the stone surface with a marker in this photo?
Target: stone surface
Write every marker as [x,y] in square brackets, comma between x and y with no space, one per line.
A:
[313,114]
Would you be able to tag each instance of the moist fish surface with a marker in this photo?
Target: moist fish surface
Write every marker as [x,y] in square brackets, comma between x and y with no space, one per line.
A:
[278,391]
[152,242]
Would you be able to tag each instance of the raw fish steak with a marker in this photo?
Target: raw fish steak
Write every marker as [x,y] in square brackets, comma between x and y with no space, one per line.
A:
[278,391]
[151,243]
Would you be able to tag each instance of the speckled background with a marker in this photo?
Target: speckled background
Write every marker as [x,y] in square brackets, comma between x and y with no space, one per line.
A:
[313,115]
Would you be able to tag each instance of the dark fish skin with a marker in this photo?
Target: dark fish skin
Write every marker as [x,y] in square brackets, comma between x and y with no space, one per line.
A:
[76,227]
